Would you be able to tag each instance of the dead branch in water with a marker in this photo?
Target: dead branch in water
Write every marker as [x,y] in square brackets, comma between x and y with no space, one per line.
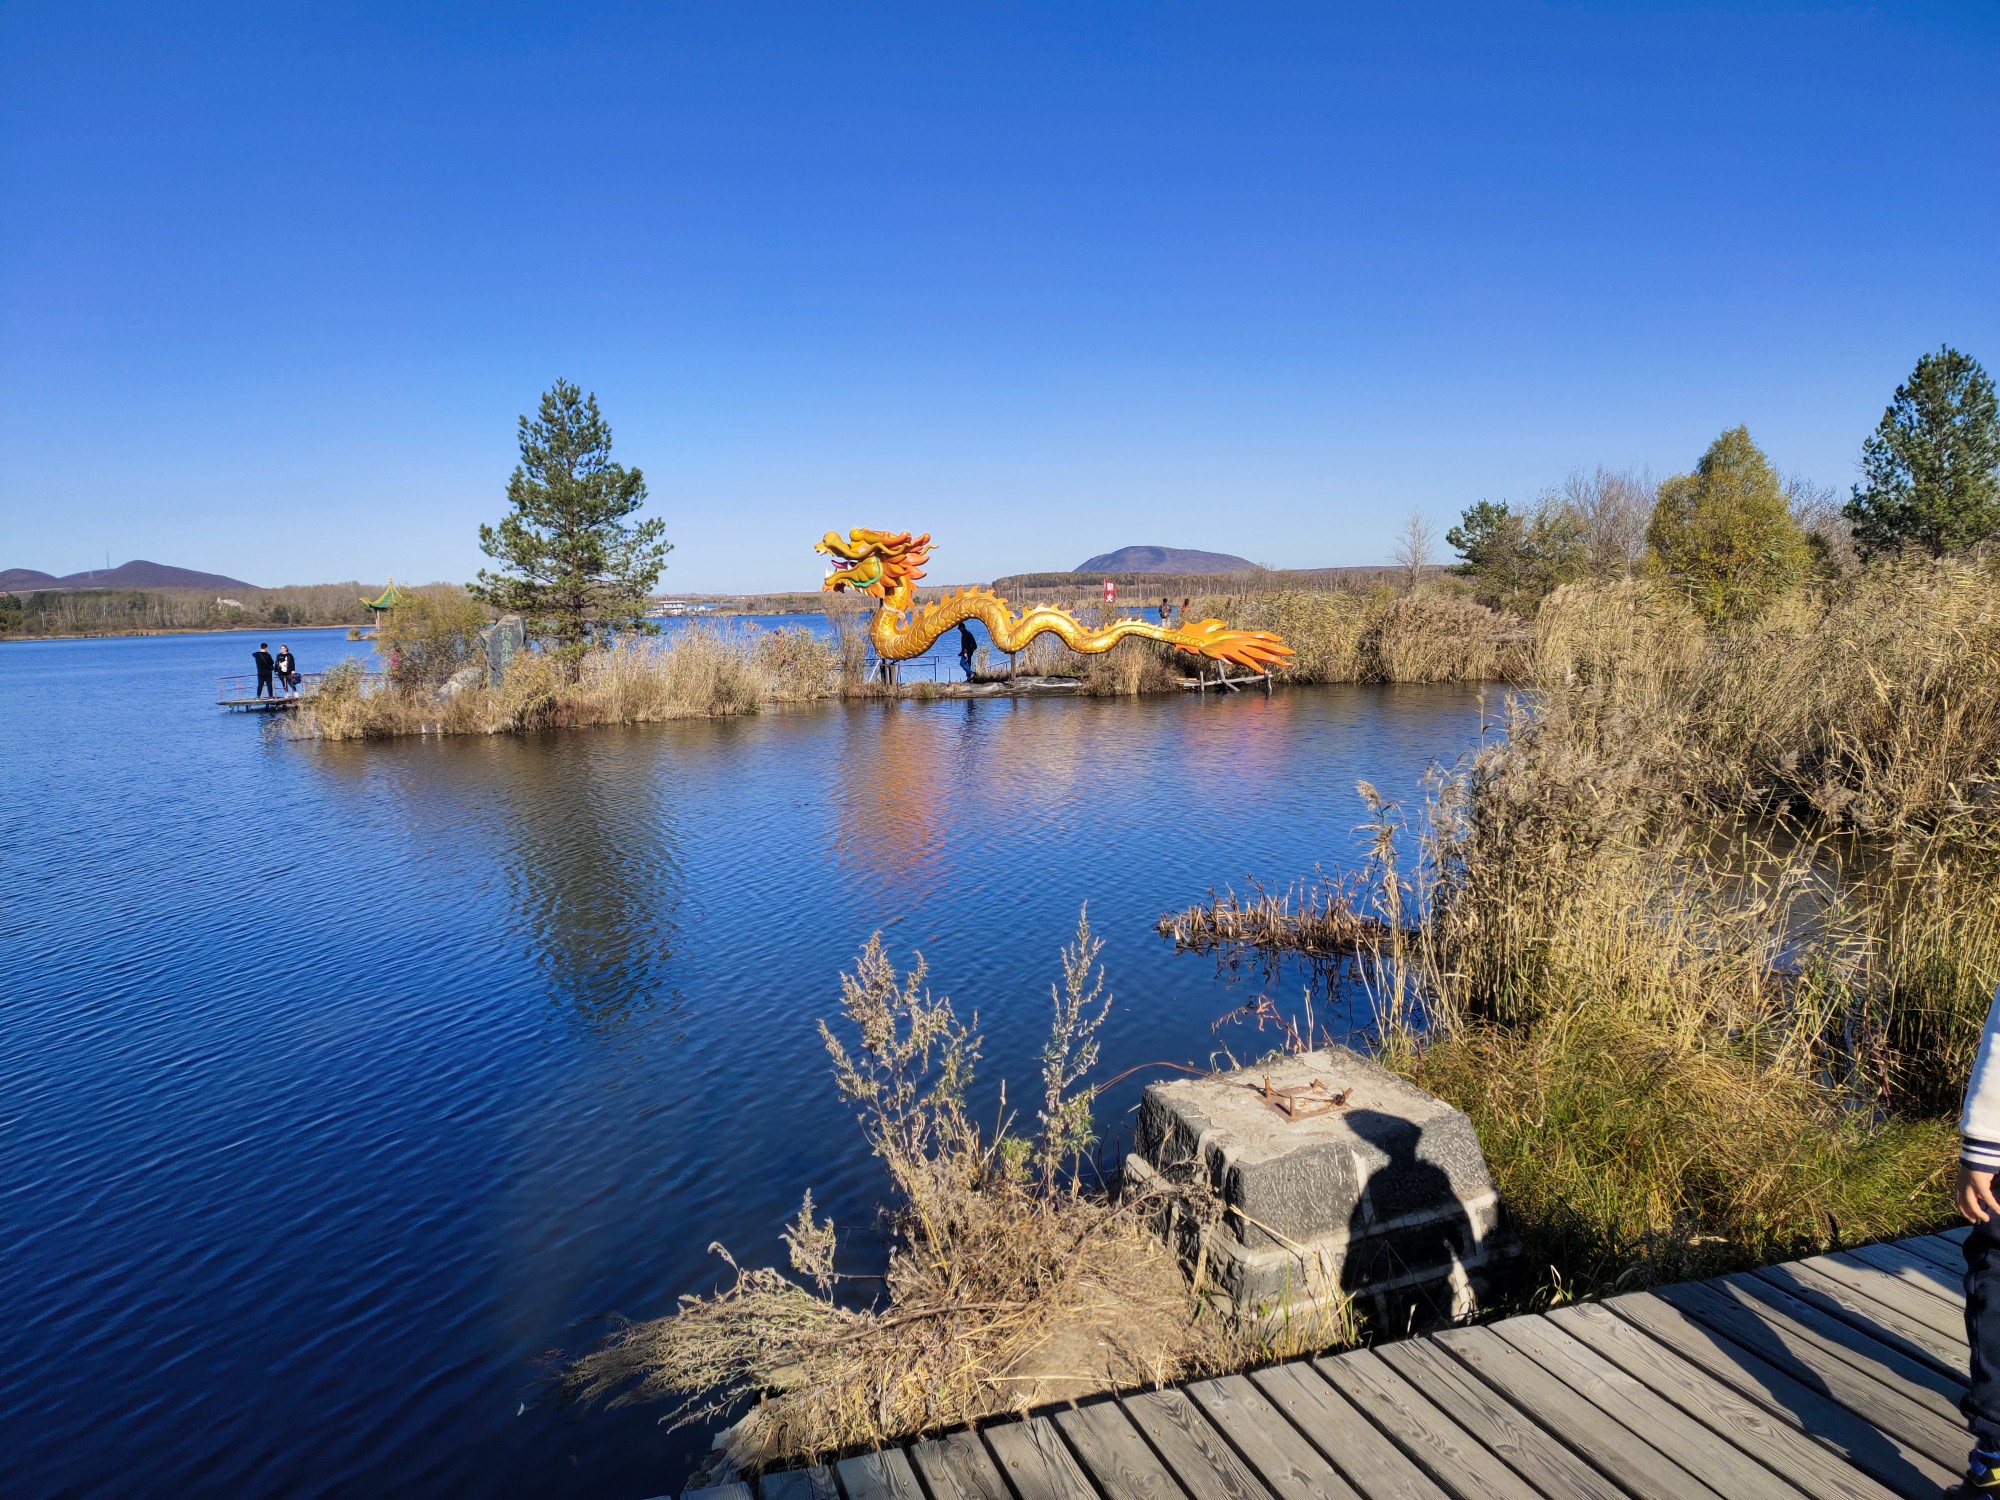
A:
[1319,920]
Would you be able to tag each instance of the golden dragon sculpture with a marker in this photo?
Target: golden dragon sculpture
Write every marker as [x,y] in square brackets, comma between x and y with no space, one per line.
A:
[887,564]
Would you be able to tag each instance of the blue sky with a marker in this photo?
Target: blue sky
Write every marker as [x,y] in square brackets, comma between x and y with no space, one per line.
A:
[1042,280]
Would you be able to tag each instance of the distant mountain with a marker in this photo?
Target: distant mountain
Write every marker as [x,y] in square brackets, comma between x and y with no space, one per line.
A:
[138,574]
[1164,560]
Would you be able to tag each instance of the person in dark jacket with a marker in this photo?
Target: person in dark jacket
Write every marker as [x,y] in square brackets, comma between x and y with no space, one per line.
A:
[265,662]
[288,671]
[966,646]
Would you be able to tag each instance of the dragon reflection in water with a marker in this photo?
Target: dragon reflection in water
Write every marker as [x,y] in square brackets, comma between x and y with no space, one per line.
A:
[887,565]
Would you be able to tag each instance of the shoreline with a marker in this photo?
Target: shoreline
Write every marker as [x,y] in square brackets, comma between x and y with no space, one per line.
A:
[141,635]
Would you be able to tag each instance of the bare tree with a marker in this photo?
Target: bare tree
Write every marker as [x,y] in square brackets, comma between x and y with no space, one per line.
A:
[1818,510]
[1613,508]
[1416,547]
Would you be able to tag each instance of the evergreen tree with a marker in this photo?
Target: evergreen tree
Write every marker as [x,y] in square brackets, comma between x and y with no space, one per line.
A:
[1724,533]
[1515,559]
[1932,466]
[574,564]
[1487,534]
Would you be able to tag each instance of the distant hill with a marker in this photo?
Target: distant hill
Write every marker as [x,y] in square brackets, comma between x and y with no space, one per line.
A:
[138,574]
[1164,560]
[1083,586]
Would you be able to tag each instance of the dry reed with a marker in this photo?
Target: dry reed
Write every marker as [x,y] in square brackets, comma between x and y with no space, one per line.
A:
[1008,1283]
[1703,945]
[699,672]
[1321,919]
[1378,634]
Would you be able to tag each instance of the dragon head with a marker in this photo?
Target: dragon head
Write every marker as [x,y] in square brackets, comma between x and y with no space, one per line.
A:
[886,564]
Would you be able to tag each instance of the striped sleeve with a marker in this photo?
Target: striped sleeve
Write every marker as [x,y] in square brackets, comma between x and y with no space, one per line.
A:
[1981,1120]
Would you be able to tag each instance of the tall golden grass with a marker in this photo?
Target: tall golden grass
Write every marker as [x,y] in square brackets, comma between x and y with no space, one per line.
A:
[1873,703]
[1703,945]
[699,672]
[1377,634]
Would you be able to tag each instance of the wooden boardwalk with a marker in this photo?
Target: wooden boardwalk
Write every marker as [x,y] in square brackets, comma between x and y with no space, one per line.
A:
[1834,1376]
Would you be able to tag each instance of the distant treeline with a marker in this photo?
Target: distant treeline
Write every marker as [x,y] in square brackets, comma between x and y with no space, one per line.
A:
[1086,588]
[1138,586]
[134,611]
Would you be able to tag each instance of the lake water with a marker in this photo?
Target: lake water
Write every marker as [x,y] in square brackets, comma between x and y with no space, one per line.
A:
[341,1085]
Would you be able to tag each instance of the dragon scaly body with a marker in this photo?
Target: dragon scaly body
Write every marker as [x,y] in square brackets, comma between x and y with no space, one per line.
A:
[887,565]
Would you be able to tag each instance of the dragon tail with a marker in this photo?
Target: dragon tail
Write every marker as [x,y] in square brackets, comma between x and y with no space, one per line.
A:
[1258,650]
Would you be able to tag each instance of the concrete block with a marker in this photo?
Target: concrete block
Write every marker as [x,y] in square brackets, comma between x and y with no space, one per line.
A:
[1385,1198]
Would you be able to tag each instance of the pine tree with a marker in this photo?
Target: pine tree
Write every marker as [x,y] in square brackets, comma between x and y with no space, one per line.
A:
[1932,466]
[574,564]
[1724,533]
[1516,559]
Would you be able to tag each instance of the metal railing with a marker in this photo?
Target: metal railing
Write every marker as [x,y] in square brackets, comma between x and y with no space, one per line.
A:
[241,687]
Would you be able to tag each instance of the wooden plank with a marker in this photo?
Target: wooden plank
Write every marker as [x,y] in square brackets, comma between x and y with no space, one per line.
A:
[1546,1464]
[1956,1234]
[1884,1324]
[1037,1462]
[1637,1465]
[1929,1385]
[1912,1270]
[1196,1453]
[1716,1406]
[815,1483]
[958,1467]
[1627,1401]
[1753,1325]
[882,1475]
[1939,1251]
[1435,1442]
[737,1490]
[1372,1464]
[1908,1471]
[1114,1454]
[1878,1286]
[1289,1465]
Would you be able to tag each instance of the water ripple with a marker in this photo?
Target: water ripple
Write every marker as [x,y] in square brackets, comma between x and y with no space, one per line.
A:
[339,1085]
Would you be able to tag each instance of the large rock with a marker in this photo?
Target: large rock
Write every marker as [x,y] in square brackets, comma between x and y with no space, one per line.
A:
[464,680]
[1384,1197]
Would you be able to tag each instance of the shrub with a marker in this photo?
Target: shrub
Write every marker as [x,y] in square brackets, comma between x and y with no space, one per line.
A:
[1724,535]
[431,633]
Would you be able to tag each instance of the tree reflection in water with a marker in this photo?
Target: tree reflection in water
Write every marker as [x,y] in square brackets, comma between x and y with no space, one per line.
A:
[581,830]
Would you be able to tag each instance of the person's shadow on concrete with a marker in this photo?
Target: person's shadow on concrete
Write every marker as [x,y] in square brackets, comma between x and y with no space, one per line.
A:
[1409,1235]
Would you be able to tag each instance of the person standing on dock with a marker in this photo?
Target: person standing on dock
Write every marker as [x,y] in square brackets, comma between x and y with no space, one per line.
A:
[265,663]
[966,646]
[288,670]
[1978,1160]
